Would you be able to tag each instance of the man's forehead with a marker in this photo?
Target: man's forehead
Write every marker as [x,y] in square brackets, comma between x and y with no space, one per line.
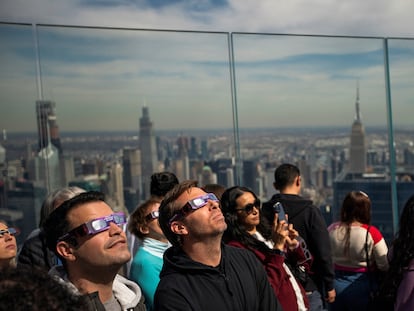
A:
[88,211]
[190,194]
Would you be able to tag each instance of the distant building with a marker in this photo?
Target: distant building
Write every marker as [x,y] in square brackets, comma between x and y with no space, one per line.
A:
[46,124]
[375,183]
[148,149]
[358,149]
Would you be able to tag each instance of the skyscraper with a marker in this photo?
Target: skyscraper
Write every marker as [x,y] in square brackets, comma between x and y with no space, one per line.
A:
[357,153]
[46,124]
[148,151]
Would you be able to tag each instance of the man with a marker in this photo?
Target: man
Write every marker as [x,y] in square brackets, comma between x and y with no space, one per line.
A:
[199,272]
[87,236]
[308,221]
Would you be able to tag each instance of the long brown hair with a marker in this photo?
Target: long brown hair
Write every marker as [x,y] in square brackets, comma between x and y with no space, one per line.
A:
[355,207]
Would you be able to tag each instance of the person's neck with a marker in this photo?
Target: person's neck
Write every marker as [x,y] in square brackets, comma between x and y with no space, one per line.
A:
[95,282]
[207,252]
[291,190]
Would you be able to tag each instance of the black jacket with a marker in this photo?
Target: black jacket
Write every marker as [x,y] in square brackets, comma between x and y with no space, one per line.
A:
[35,253]
[238,283]
[307,219]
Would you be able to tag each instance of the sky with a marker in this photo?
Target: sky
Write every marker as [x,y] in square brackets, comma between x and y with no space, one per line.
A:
[323,17]
[100,78]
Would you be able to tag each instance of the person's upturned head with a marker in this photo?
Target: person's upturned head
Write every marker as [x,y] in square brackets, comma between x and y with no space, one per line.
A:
[8,247]
[85,230]
[143,222]
[188,210]
[161,183]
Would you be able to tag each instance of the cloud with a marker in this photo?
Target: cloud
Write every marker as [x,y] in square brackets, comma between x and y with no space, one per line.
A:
[324,17]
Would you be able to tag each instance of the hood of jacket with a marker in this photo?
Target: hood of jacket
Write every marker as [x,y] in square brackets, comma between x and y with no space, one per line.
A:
[127,292]
[176,260]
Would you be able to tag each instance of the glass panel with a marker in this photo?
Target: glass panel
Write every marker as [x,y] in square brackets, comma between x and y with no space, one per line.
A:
[20,198]
[131,103]
[319,103]
[401,59]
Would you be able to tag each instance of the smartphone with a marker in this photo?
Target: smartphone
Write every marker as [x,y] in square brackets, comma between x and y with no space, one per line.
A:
[278,208]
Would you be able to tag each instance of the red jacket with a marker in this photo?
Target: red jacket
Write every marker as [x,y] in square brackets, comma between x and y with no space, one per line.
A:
[278,278]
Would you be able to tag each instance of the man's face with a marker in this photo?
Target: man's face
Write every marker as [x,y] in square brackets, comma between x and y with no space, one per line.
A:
[106,249]
[207,221]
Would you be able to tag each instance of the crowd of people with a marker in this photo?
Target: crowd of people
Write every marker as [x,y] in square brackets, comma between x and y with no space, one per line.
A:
[191,247]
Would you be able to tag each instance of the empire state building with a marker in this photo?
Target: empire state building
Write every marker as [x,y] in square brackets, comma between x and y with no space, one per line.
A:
[148,151]
[357,155]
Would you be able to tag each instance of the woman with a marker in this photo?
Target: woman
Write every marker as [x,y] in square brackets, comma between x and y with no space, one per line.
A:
[246,228]
[399,281]
[8,246]
[147,263]
[358,250]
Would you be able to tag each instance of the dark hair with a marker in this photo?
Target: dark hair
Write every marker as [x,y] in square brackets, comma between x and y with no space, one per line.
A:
[217,189]
[137,218]
[237,231]
[57,224]
[169,207]
[161,183]
[285,175]
[402,251]
[355,207]
[24,289]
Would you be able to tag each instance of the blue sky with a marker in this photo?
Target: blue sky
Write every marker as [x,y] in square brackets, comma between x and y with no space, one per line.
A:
[101,78]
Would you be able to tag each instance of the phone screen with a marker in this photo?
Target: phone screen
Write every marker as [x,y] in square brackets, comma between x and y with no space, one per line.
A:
[278,208]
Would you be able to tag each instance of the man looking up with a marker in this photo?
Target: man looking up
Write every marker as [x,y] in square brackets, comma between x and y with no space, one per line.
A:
[308,221]
[199,272]
[87,236]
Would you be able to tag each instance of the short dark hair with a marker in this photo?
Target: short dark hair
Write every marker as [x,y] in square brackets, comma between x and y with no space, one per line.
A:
[34,289]
[162,182]
[285,175]
[56,225]
[169,207]
[138,217]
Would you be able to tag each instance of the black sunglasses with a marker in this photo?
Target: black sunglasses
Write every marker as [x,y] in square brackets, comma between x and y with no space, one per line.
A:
[248,209]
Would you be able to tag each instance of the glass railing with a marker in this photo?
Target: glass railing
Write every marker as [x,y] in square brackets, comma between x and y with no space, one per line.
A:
[105,108]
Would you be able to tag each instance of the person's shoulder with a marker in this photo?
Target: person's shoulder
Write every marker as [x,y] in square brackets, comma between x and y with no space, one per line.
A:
[333,226]
[374,232]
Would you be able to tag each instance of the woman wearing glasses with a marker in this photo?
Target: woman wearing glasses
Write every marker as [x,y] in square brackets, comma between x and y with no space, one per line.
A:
[147,263]
[8,247]
[358,249]
[246,228]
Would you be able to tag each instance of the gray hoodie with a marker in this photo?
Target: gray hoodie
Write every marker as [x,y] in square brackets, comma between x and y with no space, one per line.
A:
[125,291]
